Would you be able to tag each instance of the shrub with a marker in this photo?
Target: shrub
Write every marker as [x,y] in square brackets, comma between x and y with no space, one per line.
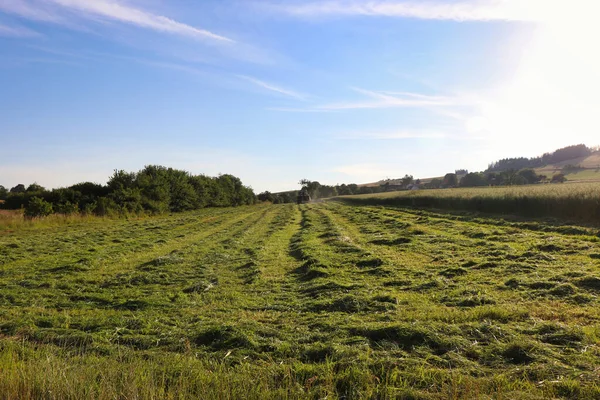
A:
[38,207]
[559,178]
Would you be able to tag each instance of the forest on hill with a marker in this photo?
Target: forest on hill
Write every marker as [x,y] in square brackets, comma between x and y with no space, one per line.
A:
[561,155]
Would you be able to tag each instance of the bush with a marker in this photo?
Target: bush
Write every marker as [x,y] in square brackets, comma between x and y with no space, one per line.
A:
[38,207]
[67,208]
[559,178]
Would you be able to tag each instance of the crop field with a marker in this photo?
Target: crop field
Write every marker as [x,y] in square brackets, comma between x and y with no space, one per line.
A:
[569,201]
[325,300]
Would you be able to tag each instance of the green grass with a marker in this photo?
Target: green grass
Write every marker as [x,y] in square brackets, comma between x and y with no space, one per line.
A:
[316,301]
[570,201]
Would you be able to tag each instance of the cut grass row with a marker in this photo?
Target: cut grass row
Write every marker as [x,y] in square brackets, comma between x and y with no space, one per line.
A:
[315,301]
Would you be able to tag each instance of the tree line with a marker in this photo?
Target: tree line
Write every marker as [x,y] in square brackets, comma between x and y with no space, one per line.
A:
[154,190]
[560,155]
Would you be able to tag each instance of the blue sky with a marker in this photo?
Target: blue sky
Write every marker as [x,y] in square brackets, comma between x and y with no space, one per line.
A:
[276,91]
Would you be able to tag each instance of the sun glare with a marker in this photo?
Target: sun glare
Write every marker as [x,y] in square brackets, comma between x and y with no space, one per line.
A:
[552,99]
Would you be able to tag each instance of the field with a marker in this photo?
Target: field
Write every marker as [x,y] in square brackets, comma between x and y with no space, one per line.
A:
[326,300]
[570,201]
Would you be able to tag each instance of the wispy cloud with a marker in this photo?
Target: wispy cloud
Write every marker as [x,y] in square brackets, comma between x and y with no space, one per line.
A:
[387,100]
[17,31]
[391,135]
[273,88]
[32,10]
[298,110]
[56,11]
[381,100]
[502,10]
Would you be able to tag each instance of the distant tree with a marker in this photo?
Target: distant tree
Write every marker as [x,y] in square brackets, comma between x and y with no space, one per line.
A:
[450,180]
[559,178]
[344,190]
[312,187]
[435,183]
[365,190]
[407,180]
[493,179]
[570,152]
[418,182]
[473,179]
[266,196]
[461,172]
[20,188]
[529,175]
[3,192]
[508,177]
[38,207]
[34,188]
[327,191]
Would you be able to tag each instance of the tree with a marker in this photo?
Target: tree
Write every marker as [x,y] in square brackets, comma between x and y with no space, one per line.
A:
[529,175]
[311,187]
[38,207]
[559,178]
[34,188]
[450,180]
[20,188]
[266,196]
[509,177]
[407,180]
[435,183]
[493,179]
[473,179]
[3,192]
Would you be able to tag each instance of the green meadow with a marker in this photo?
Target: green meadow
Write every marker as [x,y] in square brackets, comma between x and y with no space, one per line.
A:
[329,300]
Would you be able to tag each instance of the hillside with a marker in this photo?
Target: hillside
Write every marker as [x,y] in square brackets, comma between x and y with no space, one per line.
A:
[589,168]
[585,168]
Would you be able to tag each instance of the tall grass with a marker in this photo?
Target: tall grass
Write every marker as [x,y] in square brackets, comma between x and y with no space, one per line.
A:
[14,220]
[577,201]
[28,373]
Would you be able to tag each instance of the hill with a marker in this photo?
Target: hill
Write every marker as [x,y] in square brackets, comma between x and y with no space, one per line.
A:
[577,169]
[578,163]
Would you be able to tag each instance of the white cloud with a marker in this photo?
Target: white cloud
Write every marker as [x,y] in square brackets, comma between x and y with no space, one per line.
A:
[498,10]
[273,88]
[55,11]
[17,31]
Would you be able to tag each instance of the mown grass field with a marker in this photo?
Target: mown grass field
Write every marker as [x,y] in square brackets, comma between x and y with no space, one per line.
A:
[315,301]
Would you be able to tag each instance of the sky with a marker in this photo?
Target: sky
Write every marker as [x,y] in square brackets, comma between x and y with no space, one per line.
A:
[274,91]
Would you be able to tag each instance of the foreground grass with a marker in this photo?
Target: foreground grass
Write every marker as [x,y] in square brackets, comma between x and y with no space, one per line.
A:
[569,201]
[317,301]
